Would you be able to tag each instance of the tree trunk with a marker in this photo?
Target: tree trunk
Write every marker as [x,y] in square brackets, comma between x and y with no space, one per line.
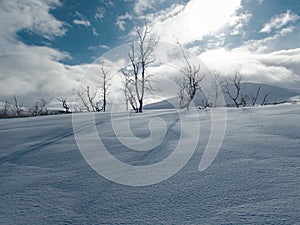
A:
[104,100]
[140,109]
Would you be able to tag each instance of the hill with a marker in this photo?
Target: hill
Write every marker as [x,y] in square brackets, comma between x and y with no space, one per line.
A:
[277,94]
[253,180]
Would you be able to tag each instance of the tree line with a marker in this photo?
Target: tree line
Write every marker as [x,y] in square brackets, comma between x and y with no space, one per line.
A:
[136,84]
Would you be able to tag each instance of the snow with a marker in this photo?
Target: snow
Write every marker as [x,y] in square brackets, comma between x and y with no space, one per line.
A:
[276,94]
[295,98]
[253,180]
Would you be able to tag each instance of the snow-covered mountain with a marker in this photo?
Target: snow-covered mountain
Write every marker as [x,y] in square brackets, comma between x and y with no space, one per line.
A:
[277,94]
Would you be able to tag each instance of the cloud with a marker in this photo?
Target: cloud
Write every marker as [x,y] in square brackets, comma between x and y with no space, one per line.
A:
[82,22]
[105,47]
[95,33]
[108,3]
[197,19]
[121,20]
[100,13]
[143,5]
[275,42]
[287,30]
[30,15]
[278,67]
[279,21]
[35,69]
[27,70]
[238,22]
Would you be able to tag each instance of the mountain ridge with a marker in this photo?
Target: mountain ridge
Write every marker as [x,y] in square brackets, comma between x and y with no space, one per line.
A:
[277,94]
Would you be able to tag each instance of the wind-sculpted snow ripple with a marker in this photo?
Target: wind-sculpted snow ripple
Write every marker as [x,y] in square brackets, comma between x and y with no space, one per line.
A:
[149,133]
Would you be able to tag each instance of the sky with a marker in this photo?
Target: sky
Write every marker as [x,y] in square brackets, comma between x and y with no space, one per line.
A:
[46,46]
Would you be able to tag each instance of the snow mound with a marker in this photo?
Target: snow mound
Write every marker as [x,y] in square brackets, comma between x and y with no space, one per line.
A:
[254,180]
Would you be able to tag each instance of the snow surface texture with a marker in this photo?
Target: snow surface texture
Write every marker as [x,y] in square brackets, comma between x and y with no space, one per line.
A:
[253,180]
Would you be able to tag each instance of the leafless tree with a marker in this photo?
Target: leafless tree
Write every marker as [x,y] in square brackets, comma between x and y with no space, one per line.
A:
[64,103]
[105,83]
[205,104]
[40,107]
[36,110]
[88,98]
[245,98]
[181,82]
[236,94]
[128,90]
[7,107]
[264,101]
[7,110]
[254,97]
[17,108]
[215,90]
[140,56]
[77,108]
[189,82]
[43,103]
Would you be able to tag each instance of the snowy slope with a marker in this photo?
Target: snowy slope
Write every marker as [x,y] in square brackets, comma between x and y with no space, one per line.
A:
[277,94]
[254,179]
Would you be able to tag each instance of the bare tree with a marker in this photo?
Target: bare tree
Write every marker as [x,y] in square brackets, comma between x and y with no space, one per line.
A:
[91,98]
[43,103]
[77,108]
[17,108]
[215,90]
[128,91]
[65,105]
[254,97]
[81,95]
[7,110]
[105,83]
[34,110]
[236,94]
[40,107]
[189,83]
[264,101]
[7,107]
[205,104]
[245,98]
[140,56]
[181,82]
[88,98]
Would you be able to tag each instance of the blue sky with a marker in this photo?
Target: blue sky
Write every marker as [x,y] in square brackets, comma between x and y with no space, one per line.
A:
[47,45]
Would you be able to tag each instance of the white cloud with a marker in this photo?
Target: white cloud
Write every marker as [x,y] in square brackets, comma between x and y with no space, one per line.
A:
[279,21]
[142,5]
[98,47]
[197,19]
[100,13]
[274,42]
[31,15]
[35,69]
[95,33]
[32,70]
[279,67]
[82,22]
[103,47]
[121,24]
[121,20]
[285,31]
[238,22]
